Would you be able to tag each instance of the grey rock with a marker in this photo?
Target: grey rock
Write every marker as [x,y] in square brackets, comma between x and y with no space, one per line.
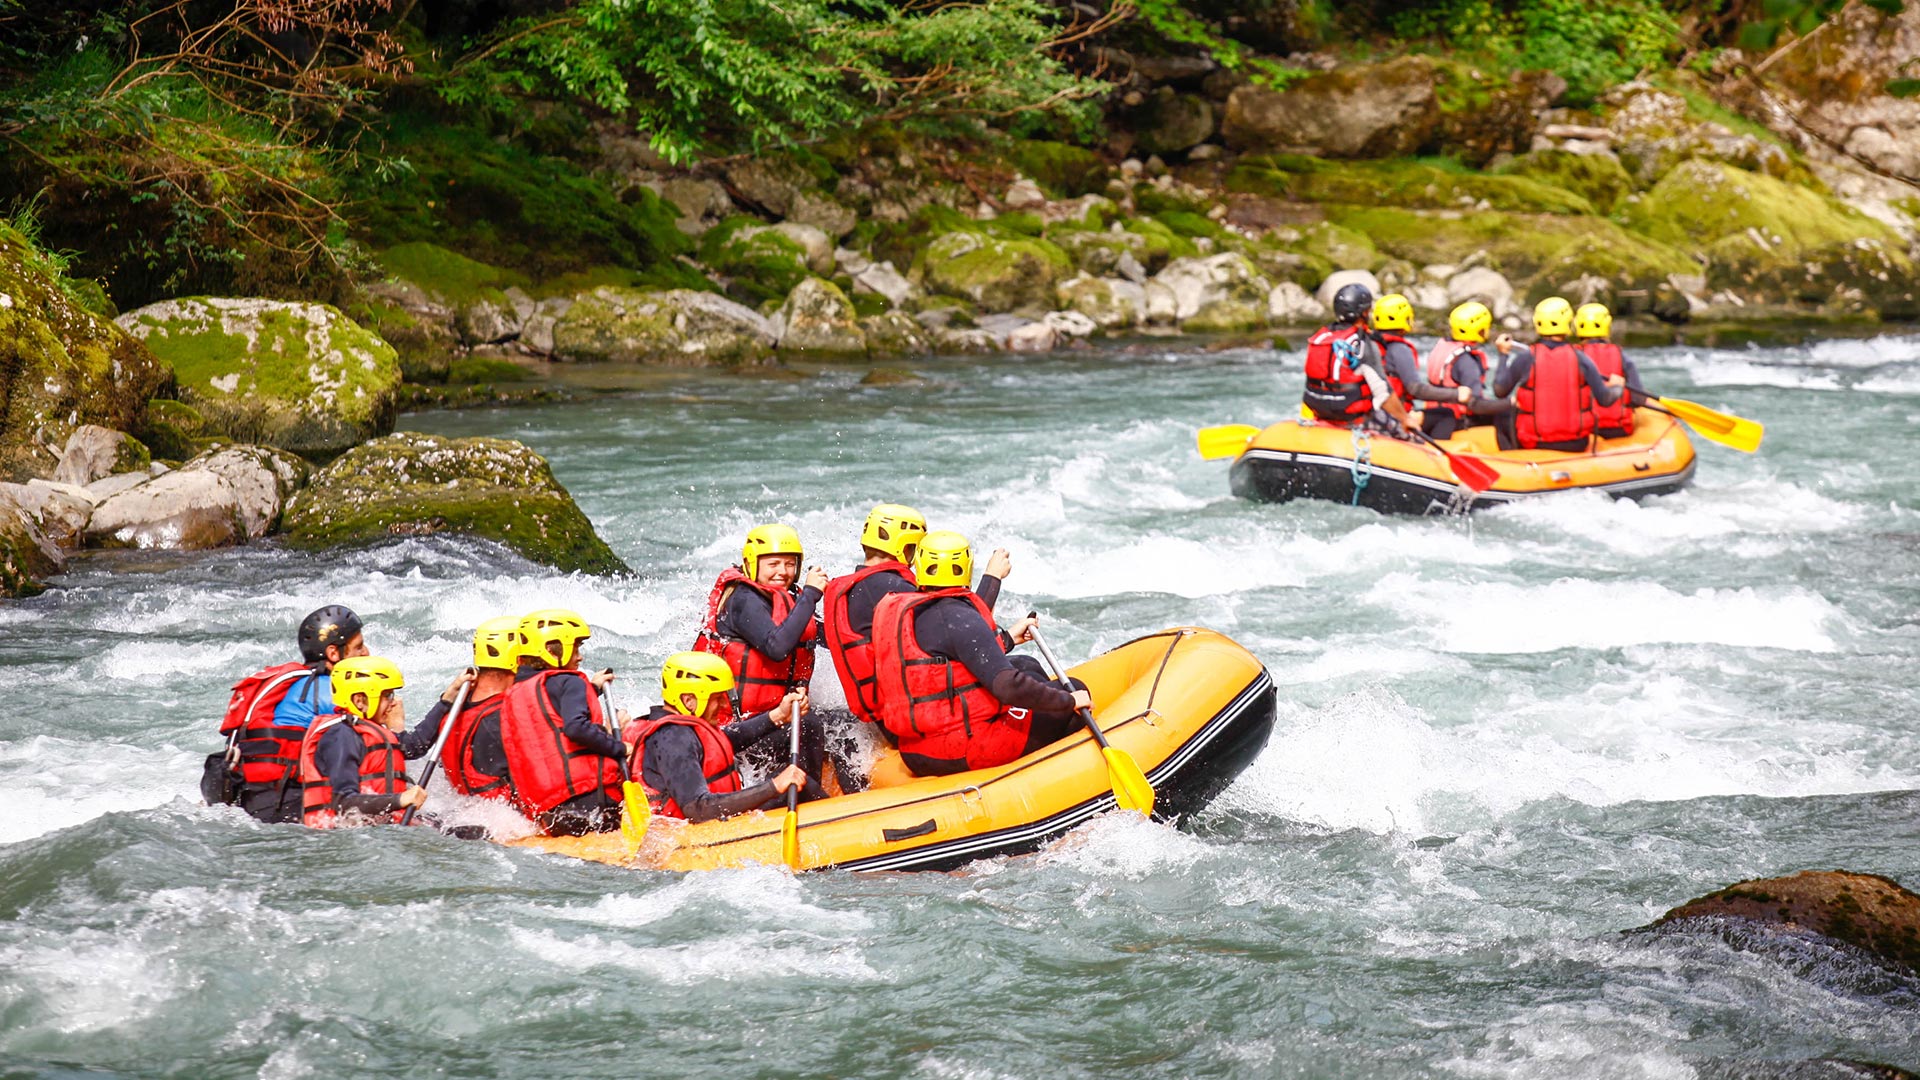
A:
[817,319]
[1216,292]
[823,213]
[1340,279]
[91,452]
[1290,305]
[1375,110]
[183,510]
[27,557]
[262,479]
[59,511]
[894,334]
[676,326]
[1488,286]
[1109,303]
[109,486]
[881,279]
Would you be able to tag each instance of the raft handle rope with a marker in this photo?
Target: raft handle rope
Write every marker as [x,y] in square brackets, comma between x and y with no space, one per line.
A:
[1361,467]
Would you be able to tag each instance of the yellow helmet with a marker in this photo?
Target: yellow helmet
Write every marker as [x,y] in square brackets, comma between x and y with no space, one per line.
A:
[944,560]
[1553,317]
[539,632]
[893,528]
[1592,321]
[698,673]
[372,676]
[496,643]
[767,540]
[1470,322]
[1392,312]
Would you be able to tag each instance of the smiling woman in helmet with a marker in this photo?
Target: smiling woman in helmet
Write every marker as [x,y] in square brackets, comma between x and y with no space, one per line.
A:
[684,755]
[562,762]
[761,622]
[947,690]
[1555,387]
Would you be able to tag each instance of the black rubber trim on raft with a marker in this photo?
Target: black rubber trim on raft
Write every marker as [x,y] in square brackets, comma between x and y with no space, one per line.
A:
[924,828]
[1025,838]
[1258,472]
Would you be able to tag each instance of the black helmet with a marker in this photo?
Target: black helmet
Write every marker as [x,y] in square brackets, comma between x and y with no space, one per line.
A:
[1352,302]
[331,625]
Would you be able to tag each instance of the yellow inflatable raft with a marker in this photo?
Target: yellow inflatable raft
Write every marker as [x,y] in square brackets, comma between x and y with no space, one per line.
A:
[1297,459]
[1190,705]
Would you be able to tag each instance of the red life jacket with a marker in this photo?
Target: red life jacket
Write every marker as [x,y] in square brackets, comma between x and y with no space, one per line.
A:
[1440,370]
[268,752]
[852,651]
[1395,337]
[762,682]
[1336,391]
[1617,417]
[716,760]
[934,705]
[545,766]
[383,770]
[456,757]
[1553,404]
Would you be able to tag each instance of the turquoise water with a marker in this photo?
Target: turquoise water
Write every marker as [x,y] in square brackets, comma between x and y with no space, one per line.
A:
[1500,742]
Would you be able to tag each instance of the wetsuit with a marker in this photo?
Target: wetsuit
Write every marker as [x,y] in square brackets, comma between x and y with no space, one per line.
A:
[672,765]
[596,810]
[864,597]
[748,616]
[1402,366]
[338,755]
[951,628]
[1514,373]
[1468,369]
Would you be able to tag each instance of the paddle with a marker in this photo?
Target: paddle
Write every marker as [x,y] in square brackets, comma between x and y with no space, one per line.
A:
[790,828]
[1477,475]
[636,813]
[439,743]
[1225,440]
[1130,787]
[1724,428]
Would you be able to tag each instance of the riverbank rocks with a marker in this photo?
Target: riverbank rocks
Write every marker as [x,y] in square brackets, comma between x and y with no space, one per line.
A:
[93,452]
[1866,911]
[997,274]
[59,511]
[1112,303]
[677,326]
[179,510]
[61,365]
[1215,294]
[818,320]
[302,377]
[410,484]
[1367,111]
[1290,305]
[26,556]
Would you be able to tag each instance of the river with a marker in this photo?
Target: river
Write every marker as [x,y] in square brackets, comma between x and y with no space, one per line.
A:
[1501,741]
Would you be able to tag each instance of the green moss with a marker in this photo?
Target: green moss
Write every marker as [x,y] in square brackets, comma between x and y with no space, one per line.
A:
[454,277]
[1022,222]
[764,265]
[1703,201]
[474,370]
[1339,247]
[1598,178]
[1187,223]
[868,304]
[1163,244]
[1401,182]
[169,427]
[1156,200]
[1064,171]
[132,456]
[996,273]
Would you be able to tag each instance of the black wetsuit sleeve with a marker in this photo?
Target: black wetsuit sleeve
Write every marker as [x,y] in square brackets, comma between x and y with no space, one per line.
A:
[1404,365]
[864,597]
[952,628]
[1468,371]
[417,742]
[989,590]
[745,732]
[1513,373]
[570,702]
[338,758]
[1632,371]
[1596,382]
[749,617]
[672,766]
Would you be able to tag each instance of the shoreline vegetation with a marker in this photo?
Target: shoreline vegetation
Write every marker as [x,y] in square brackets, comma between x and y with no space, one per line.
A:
[239,242]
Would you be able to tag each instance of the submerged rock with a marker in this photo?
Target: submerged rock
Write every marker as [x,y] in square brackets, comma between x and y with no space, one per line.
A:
[410,484]
[302,377]
[1866,911]
[61,365]
[677,326]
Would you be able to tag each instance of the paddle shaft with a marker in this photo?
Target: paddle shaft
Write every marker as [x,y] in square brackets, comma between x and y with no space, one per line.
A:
[439,744]
[1060,673]
[606,712]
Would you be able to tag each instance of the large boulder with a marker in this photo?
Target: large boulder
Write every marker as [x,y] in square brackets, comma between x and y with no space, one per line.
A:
[1100,253]
[26,556]
[1112,303]
[817,320]
[299,376]
[263,480]
[894,334]
[410,484]
[179,510]
[1290,305]
[996,273]
[1340,279]
[1170,122]
[61,365]
[1217,293]
[1369,111]
[1866,911]
[93,452]
[676,326]
[59,511]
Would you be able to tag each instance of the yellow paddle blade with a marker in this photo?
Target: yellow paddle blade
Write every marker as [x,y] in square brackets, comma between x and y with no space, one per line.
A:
[636,815]
[790,839]
[1724,428]
[1306,412]
[1130,787]
[1225,440]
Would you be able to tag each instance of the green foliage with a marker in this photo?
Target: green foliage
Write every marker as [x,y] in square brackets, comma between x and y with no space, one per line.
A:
[1592,46]
[748,74]
[1402,182]
[1173,21]
[1801,17]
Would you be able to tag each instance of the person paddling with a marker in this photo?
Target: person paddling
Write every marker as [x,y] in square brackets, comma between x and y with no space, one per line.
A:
[562,762]
[1592,327]
[1462,361]
[270,712]
[761,623]
[1555,387]
[887,541]
[1347,381]
[352,767]
[1392,320]
[947,690]
[685,757]
[474,759]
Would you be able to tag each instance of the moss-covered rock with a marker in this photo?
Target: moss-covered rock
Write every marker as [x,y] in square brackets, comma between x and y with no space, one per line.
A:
[996,274]
[1063,170]
[302,377]
[1598,178]
[1408,183]
[430,290]
[169,427]
[761,263]
[1865,911]
[817,320]
[1222,293]
[410,484]
[893,335]
[27,558]
[677,326]
[1162,243]
[1338,247]
[1112,303]
[61,366]
[1099,253]
[1361,111]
